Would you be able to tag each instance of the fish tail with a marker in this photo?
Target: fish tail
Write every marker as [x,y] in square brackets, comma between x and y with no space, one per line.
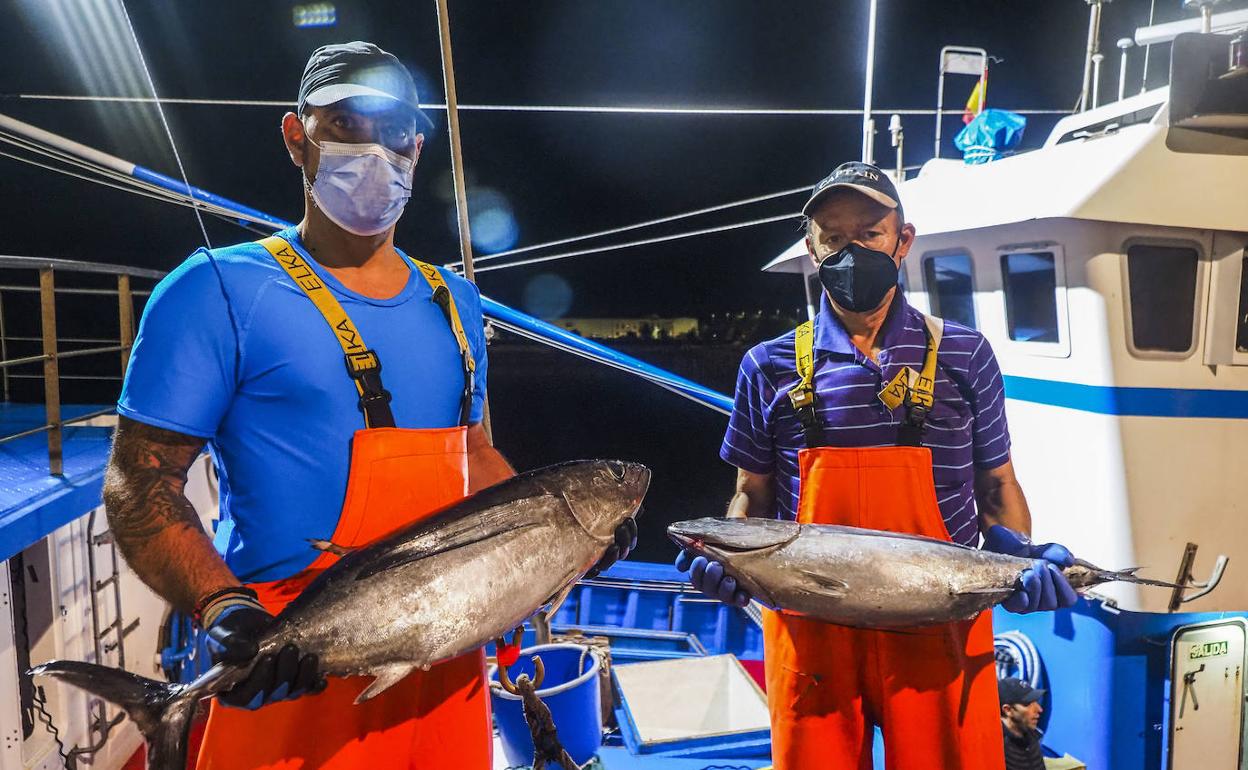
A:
[161,711]
[1099,575]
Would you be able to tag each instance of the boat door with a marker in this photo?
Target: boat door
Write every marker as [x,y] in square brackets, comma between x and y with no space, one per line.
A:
[1207,695]
[1226,340]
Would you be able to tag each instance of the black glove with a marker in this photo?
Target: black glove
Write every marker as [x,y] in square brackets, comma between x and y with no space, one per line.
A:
[234,635]
[625,542]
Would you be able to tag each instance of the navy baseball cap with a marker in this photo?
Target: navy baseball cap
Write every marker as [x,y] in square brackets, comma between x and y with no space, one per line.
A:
[1015,691]
[861,177]
[357,69]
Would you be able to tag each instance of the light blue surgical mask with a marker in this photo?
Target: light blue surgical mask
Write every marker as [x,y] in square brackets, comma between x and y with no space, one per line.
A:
[362,188]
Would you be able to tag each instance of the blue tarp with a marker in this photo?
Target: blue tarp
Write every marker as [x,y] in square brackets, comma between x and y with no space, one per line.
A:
[991,135]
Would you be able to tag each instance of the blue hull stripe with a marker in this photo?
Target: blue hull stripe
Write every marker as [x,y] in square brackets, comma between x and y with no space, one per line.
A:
[1136,402]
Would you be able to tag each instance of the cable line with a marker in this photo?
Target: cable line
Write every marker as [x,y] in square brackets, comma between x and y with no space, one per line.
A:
[588,109]
[160,110]
[639,225]
[645,242]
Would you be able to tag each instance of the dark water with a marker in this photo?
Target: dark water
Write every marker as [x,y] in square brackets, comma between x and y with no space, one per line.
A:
[548,406]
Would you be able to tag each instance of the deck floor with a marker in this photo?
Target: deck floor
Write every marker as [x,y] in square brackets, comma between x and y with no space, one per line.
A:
[28,493]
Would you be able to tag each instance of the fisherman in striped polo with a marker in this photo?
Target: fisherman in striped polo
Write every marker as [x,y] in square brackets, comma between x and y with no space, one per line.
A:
[875,415]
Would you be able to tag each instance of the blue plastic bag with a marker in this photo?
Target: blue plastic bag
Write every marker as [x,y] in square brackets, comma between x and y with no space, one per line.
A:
[991,135]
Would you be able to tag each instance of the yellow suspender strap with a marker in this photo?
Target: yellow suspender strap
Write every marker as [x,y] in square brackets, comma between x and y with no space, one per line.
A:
[443,298]
[363,365]
[803,392]
[921,388]
[802,395]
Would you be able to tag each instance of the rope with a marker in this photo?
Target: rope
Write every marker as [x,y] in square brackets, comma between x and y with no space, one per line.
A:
[40,702]
[1017,656]
[160,110]
[645,242]
[589,109]
[639,225]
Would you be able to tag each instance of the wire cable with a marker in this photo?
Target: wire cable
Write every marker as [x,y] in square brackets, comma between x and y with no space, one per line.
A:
[638,226]
[591,109]
[644,242]
[160,110]
[155,193]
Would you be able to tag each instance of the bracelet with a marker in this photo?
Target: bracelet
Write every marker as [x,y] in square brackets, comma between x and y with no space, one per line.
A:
[239,592]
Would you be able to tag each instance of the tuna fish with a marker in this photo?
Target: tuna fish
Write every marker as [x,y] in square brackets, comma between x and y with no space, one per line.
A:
[863,577]
[432,591]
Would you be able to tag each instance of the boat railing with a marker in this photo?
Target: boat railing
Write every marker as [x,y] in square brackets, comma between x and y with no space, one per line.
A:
[50,342]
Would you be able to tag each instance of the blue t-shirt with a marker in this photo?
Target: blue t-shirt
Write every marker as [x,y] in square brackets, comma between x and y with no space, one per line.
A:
[966,428]
[231,350]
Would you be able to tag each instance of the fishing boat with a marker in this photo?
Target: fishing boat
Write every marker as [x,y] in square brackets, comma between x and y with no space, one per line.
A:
[1108,269]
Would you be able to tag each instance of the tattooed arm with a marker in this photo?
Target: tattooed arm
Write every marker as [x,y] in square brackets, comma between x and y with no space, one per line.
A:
[154,525]
[999,499]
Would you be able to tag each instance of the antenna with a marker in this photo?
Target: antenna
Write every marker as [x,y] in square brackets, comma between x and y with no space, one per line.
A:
[1125,44]
[899,141]
[1091,65]
[1206,12]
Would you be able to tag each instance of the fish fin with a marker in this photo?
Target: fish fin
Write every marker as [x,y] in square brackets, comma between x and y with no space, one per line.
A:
[556,601]
[161,711]
[830,584]
[458,534]
[386,678]
[330,546]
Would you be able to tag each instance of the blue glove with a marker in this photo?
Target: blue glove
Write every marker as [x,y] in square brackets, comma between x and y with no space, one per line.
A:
[234,636]
[708,577]
[625,542]
[1042,588]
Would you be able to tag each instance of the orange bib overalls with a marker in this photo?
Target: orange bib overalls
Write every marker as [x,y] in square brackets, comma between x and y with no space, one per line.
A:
[932,690]
[434,719]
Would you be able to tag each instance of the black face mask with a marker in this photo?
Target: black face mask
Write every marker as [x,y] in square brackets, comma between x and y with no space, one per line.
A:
[858,277]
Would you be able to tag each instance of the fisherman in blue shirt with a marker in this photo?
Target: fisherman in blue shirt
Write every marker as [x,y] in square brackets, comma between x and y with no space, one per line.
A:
[271,354]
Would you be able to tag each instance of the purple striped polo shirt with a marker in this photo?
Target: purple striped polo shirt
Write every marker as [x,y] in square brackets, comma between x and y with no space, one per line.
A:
[965,430]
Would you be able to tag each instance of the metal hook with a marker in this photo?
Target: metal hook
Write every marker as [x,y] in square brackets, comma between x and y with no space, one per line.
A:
[539,675]
[539,672]
[1185,583]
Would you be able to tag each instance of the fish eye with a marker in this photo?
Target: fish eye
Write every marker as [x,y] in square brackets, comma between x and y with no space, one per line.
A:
[617,469]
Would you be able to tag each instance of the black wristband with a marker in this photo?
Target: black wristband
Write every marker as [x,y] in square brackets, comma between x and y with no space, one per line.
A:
[204,601]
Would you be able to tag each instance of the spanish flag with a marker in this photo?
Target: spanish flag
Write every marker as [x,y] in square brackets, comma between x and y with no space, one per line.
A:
[975,103]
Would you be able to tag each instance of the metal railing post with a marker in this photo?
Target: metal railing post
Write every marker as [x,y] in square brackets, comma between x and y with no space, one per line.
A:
[51,371]
[4,350]
[125,317]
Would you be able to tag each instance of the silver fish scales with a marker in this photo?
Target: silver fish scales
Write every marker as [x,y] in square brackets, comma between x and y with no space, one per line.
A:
[867,578]
[432,591]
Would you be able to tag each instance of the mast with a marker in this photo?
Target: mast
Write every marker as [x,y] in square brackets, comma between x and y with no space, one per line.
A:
[868,125]
[457,161]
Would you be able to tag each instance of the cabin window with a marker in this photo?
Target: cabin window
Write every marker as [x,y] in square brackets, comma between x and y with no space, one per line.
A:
[950,287]
[1030,283]
[1161,281]
[1241,328]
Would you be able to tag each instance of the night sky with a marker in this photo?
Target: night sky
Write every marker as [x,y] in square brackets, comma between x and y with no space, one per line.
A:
[561,174]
